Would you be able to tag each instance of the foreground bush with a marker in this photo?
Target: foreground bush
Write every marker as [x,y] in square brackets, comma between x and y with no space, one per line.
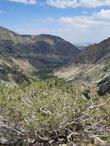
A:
[49,112]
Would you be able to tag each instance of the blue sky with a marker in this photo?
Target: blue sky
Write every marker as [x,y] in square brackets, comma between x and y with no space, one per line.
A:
[78,21]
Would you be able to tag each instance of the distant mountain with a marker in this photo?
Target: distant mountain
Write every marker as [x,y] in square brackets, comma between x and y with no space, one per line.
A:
[82,46]
[41,53]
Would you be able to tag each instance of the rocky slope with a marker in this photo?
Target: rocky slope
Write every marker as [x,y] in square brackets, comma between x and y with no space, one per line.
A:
[91,65]
[42,50]
[94,53]
[86,72]
[41,53]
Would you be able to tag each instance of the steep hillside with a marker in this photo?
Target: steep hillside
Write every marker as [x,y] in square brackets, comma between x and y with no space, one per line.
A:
[6,34]
[91,65]
[93,53]
[41,53]
[15,70]
[48,52]
[86,72]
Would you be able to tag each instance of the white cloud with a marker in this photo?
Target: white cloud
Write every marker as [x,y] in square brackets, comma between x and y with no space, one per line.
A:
[101,18]
[93,28]
[62,3]
[77,3]
[24,1]
[94,3]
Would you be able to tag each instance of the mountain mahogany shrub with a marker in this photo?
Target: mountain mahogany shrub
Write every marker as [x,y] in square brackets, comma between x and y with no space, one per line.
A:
[49,112]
